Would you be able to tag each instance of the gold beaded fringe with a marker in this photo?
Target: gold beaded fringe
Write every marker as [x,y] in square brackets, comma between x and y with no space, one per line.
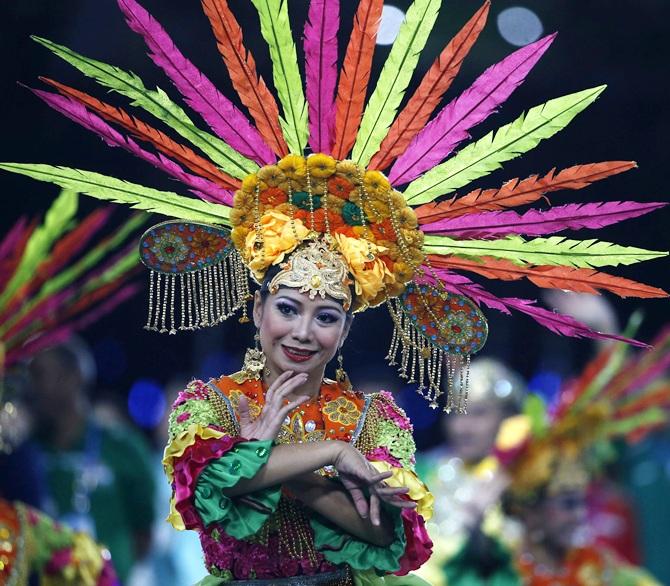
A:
[421,362]
[202,298]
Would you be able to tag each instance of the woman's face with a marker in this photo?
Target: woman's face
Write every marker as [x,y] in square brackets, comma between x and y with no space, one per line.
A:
[298,333]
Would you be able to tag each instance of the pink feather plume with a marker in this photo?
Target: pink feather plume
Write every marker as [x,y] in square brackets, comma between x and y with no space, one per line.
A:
[320,43]
[450,127]
[12,237]
[75,111]
[558,323]
[219,112]
[539,222]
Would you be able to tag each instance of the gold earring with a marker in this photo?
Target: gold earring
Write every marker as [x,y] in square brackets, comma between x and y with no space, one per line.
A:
[254,360]
[341,375]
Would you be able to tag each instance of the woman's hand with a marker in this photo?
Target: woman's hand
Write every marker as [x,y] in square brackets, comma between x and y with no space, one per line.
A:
[357,474]
[267,425]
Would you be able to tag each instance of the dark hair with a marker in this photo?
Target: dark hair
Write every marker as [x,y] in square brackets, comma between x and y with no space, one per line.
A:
[274,270]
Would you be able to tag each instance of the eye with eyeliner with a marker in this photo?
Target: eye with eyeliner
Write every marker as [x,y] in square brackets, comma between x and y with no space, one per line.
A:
[286,308]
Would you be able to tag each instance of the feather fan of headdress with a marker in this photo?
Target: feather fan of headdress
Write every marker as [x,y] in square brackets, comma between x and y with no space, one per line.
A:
[472,231]
[50,287]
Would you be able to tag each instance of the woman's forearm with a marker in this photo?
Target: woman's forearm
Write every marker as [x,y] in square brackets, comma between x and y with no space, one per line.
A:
[287,462]
[332,501]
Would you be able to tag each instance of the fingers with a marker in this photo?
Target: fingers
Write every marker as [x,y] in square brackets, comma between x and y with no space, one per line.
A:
[289,385]
[360,502]
[243,411]
[282,378]
[375,517]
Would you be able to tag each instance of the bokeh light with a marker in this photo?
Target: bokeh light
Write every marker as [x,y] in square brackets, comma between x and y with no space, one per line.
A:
[146,403]
[389,26]
[519,25]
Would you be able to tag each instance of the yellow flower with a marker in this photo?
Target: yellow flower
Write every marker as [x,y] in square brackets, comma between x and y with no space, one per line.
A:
[396,200]
[342,410]
[239,236]
[403,272]
[241,217]
[406,219]
[272,175]
[349,170]
[376,210]
[370,273]
[250,182]
[280,236]
[376,184]
[321,166]
[413,238]
[244,199]
[293,167]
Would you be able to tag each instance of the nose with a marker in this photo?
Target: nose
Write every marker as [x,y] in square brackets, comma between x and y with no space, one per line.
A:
[302,332]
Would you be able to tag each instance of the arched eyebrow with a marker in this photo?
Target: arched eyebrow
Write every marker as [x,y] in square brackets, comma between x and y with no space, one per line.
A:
[330,306]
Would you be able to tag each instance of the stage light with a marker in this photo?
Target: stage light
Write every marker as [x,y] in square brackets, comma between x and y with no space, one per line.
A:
[519,25]
[146,403]
[389,26]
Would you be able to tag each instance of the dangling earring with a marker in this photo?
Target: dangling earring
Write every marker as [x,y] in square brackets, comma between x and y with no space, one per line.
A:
[254,360]
[341,375]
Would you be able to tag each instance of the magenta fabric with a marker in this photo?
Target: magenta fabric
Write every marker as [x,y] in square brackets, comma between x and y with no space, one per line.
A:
[187,469]
[419,545]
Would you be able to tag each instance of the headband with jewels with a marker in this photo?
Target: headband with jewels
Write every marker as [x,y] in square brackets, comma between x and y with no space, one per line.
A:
[411,238]
[559,445]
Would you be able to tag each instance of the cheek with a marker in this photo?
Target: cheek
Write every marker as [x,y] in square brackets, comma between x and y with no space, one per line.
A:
[329,339]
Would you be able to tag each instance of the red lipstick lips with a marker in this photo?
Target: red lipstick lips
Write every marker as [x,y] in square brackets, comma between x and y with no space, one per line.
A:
[297,354]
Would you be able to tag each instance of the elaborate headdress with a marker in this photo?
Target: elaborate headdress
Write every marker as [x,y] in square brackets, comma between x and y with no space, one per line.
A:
[556,447]
[406,250]
[51,287]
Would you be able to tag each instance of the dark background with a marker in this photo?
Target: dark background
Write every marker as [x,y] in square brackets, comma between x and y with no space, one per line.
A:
[622,44]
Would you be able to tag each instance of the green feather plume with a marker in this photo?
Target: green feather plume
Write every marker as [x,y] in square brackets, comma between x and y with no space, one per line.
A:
[158,103]
[119,191]
[276,30]
[70,274]
[56,223]
[395,77]
[543,251]
[508,142]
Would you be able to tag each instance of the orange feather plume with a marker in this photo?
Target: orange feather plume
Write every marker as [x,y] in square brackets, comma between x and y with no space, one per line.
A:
[581,280]
[428,95]
[251,88]
[355,75]
[147,133]
[517,192]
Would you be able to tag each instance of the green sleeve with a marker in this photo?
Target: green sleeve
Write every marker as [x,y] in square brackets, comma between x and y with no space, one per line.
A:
[339,547]
[239,518]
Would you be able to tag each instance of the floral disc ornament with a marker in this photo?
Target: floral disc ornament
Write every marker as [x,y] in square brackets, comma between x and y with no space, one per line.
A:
[196,277]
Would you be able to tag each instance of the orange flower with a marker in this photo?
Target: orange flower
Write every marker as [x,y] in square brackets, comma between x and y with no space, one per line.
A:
[273,196]
[383,230]
[340,187]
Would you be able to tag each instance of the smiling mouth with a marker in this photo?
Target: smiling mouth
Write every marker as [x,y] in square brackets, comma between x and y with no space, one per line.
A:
[297,354]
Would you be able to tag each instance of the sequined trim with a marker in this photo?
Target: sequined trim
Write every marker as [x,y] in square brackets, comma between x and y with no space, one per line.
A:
[219,401]
[336,578]
[361,421]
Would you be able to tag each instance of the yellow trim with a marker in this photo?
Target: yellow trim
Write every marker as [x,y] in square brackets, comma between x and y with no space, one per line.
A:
[418,491]
[177,447]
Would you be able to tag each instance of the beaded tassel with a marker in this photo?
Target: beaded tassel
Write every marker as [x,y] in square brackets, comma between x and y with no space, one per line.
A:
[423,363]
[202,298]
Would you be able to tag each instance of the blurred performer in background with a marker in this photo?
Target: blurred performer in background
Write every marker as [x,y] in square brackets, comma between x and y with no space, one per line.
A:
[50,288]
[549,455]
[99,475]
[463,474]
